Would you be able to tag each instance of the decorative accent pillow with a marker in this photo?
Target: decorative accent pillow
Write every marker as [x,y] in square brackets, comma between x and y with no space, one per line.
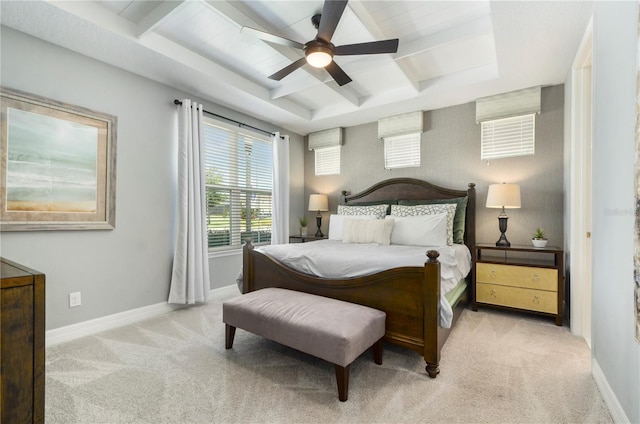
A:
[367,231]
[448,208]
[336,224]
[420,230]
[380,211]
[458,219]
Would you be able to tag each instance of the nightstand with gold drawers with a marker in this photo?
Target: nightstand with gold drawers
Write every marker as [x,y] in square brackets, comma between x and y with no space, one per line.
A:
[519,277]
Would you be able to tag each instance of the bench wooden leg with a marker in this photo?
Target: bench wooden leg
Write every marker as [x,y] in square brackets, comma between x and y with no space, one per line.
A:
[342,377]
[377,351]
[229,334]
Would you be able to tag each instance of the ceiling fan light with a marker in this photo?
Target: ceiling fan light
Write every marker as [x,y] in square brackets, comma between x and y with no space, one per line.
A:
[319,59]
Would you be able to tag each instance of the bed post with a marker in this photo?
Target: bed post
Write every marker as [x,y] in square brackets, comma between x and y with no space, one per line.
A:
[247,266]
[343,197]
[431,324]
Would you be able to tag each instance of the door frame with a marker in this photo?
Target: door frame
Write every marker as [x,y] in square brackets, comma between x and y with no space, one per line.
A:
[580,259]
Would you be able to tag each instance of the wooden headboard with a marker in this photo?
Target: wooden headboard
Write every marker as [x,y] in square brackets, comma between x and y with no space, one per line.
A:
[413,189]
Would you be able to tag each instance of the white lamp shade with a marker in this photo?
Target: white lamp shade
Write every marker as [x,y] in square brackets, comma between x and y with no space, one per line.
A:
[318,202]
[504,196]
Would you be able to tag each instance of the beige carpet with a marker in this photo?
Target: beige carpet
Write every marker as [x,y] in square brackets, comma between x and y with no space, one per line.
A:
[496,367]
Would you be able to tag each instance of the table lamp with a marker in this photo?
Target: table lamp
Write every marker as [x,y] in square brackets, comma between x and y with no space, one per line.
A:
[319,203]
[505,196]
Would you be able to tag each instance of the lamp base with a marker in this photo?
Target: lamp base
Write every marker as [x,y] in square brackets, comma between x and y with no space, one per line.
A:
[319,223]
[503,242]
[502,225]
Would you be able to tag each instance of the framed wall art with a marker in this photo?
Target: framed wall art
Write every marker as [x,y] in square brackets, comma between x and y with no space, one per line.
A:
[58,165]
[636,298]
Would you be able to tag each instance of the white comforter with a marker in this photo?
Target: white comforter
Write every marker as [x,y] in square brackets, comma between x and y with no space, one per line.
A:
[334,259]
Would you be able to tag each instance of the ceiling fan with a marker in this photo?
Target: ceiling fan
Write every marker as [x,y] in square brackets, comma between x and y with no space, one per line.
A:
[319,52]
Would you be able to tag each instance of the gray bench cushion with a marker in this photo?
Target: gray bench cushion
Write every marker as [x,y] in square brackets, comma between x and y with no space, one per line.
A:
[329,329]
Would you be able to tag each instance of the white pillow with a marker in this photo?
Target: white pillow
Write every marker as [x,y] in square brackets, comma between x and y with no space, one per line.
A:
[431,209]
[421,230]
[367,231]
[336,224]
[380,211]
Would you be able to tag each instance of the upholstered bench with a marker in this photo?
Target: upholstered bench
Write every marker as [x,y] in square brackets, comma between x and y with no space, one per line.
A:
[329,329]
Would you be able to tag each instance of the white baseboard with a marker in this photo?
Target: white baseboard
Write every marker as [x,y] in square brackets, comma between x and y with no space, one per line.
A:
[109,322]
[617,413]
[222,292]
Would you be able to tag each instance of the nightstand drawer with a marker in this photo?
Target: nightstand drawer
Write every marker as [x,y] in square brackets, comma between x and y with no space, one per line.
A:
[518,276]
[516,297]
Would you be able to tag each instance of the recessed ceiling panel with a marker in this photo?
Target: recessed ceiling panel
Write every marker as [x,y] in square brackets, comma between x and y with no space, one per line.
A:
[451,58]
[203,30]
[412,19]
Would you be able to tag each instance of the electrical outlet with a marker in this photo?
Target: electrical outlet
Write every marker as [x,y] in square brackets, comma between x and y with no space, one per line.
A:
[74,299]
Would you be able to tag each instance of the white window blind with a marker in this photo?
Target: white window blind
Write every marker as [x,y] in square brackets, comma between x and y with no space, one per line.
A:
[327,160]
[508,137]
[402,151]
[238,170]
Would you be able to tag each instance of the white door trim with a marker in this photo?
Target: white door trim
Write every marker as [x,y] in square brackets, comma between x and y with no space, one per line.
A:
[580,191]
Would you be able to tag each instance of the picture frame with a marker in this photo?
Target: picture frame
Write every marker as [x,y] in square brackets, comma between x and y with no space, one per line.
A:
[636,259]
[57,167]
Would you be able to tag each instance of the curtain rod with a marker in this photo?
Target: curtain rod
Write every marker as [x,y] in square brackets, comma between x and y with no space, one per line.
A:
[240,124]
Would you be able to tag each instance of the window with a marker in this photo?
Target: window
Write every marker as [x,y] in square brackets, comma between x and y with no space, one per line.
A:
[327,160]
[239,181]
[326,146]
[508,137]
[402,151]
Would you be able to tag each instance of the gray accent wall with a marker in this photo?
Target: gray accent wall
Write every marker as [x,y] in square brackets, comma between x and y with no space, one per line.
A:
[128,267]
[614,348]
[450,157]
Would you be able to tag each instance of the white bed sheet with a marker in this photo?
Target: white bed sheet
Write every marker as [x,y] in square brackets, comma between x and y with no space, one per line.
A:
[335,259]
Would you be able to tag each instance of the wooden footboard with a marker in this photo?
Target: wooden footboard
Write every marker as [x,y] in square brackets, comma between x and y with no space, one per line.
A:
[410,297]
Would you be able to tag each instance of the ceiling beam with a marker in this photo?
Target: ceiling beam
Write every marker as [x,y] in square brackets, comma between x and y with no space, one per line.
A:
[477,74]
[156,16]
[475,28]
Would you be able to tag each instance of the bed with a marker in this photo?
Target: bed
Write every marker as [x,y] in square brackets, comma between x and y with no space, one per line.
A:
[410,295]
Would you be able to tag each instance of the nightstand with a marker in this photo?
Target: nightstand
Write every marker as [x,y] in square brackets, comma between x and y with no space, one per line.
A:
[302,239]
[525,278]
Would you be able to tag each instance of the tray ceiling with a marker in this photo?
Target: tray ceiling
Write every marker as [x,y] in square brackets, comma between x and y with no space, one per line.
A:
[450,52]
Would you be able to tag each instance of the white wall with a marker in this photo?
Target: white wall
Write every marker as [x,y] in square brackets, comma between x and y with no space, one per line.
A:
[615,350]
[129,267]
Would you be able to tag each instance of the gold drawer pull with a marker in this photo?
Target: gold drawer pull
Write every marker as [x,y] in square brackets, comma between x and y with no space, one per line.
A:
[536,300]
[493,293]
[536,278]
[493,274]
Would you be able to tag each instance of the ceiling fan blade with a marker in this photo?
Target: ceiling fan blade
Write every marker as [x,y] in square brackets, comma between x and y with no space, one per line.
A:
[331,14]
[272,38]
[374,47]
[338,74]
[288,69]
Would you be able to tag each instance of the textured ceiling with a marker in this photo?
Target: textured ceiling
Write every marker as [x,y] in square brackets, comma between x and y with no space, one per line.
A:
[449,53]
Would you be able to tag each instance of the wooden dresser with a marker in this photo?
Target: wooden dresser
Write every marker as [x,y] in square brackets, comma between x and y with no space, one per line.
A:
[519,277]
[22,329]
